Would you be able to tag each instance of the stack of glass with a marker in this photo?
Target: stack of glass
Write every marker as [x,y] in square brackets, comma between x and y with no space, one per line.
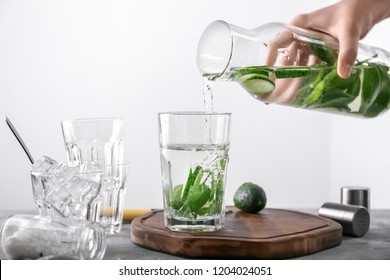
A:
[78,202]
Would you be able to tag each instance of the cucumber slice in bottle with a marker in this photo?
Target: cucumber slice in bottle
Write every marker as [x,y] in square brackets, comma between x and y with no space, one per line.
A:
[257,84]
[246,77]
[261,70]
[291,72]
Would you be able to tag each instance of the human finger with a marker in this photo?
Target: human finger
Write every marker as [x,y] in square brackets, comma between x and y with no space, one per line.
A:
[348,49]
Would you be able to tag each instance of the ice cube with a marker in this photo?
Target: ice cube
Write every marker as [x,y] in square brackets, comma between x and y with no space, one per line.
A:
[65,174]
[76,194]
[85,186]
[91,167]
[61,200]
[45,165]
[41,177]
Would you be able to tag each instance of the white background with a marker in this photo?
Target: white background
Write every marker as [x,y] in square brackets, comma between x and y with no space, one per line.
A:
[76,59]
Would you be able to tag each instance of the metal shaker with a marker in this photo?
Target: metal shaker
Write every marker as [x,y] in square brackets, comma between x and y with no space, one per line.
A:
[354,219]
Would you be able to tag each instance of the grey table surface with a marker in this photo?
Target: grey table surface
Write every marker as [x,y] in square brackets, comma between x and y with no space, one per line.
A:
[374,245]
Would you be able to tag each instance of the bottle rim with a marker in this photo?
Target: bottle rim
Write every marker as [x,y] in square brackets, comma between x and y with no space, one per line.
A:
[93,243]
[215,48]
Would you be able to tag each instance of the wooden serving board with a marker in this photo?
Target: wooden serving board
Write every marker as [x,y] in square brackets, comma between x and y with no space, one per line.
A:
[270,234]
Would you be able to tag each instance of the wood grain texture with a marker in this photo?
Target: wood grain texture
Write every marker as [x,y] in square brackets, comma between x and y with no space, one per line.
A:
[270,234]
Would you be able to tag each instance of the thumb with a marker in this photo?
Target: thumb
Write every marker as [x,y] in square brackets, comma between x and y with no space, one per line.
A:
[348,50]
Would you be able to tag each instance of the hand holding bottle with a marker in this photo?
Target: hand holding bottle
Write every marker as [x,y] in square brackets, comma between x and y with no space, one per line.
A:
[286,50]
[348,21]
[283,64]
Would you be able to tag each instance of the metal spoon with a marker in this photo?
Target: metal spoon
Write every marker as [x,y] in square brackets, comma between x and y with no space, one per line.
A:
[20,140]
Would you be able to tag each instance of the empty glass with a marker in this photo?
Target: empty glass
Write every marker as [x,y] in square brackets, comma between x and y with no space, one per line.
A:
[100,141]
[194,158]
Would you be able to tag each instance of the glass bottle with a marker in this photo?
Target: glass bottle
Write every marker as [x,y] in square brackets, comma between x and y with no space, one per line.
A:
[39,237]
[283,64]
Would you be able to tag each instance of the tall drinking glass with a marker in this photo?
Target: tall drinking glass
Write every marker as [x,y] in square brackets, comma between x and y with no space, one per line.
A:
[97,140]
[194,158]
[100,142]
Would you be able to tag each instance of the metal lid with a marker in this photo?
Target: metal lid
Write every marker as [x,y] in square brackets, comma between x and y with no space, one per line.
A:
[359,196]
